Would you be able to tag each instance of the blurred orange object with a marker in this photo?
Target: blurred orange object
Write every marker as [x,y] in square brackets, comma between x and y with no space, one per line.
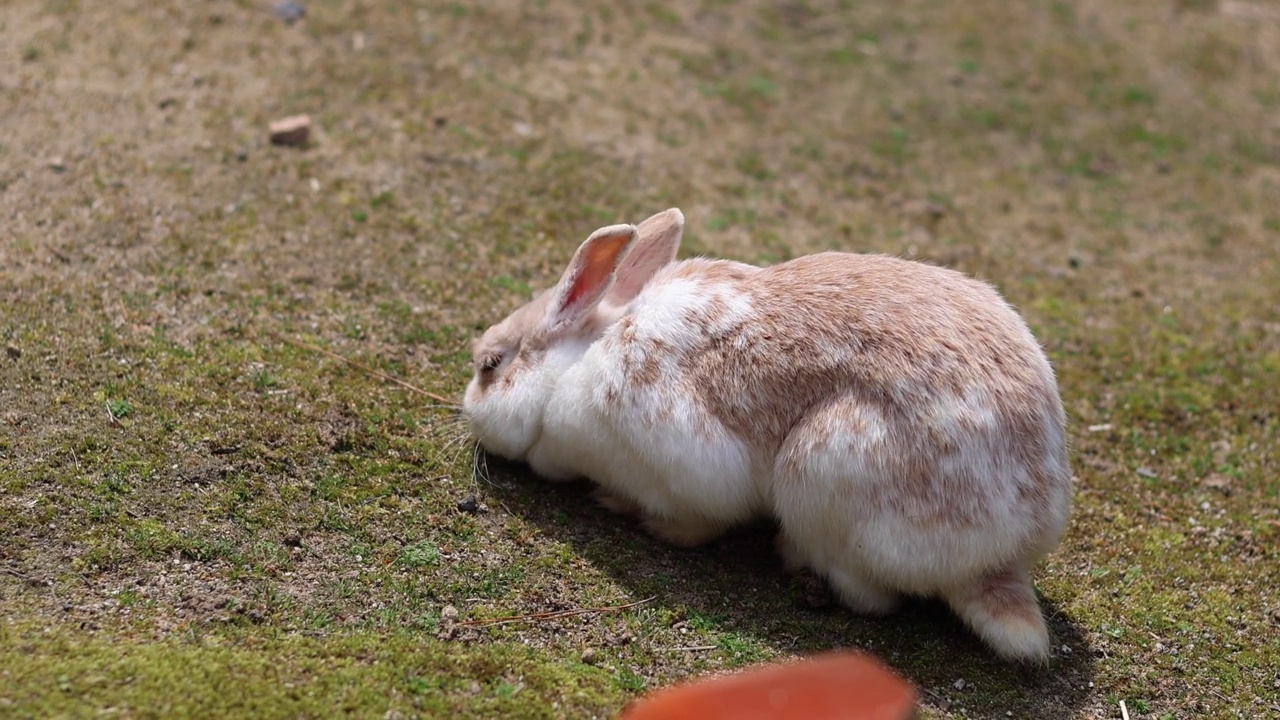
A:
[838,685]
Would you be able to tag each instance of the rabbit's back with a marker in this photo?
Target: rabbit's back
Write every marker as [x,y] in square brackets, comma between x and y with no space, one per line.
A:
[757,348]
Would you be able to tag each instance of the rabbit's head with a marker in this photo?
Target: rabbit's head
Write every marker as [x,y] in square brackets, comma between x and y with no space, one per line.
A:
[517,362]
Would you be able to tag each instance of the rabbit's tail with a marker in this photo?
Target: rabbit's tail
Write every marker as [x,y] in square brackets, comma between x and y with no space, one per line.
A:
[1002,609]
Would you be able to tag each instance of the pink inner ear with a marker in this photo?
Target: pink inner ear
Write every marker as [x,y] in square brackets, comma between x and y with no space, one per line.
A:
[598,264]
[576,291]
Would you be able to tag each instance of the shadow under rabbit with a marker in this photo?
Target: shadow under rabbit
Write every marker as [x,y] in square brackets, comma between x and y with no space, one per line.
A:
[738,581]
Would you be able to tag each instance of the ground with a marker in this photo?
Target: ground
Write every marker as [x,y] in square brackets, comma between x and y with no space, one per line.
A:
[202,514]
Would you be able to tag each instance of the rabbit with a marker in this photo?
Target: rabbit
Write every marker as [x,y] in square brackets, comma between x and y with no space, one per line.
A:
[897,420]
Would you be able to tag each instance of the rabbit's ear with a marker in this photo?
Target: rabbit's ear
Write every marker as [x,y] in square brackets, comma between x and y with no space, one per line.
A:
[657,240]
[589,276]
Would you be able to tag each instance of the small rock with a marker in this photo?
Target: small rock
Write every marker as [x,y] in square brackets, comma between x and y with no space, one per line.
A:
[1146,472]
[292,131]
[13,352]
[449,613]
[1218,481]
[469,504]
[959,684]
[1066,649]
[290,12]
[1101,167]
[590,656]
[57,164]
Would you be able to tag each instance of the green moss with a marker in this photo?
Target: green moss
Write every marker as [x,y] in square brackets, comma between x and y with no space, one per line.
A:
[62,673]
[420,554]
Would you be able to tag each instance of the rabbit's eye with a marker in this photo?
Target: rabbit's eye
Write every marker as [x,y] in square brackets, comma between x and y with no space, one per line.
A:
[490,363]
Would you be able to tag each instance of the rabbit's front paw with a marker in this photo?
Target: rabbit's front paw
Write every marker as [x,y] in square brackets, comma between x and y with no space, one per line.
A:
[860,595]
[614,503]
[683,532]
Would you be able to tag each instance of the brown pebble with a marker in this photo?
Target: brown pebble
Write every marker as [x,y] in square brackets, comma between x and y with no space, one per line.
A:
[292,131]
[589,656]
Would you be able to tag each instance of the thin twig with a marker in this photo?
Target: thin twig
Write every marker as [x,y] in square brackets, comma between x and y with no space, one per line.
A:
[691,648]
[114,420]
[14,573]
[554,615]
[32,582]
[1124,711]
[366,368]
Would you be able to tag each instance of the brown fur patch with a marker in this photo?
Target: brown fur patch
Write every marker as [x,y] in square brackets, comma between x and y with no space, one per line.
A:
[839,332]
[649,369]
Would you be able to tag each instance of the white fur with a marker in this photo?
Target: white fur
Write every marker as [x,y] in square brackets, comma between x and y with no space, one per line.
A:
[509,423]
[657,450]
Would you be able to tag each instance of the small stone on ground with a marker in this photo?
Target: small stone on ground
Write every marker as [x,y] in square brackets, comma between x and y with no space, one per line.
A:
[292,131]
